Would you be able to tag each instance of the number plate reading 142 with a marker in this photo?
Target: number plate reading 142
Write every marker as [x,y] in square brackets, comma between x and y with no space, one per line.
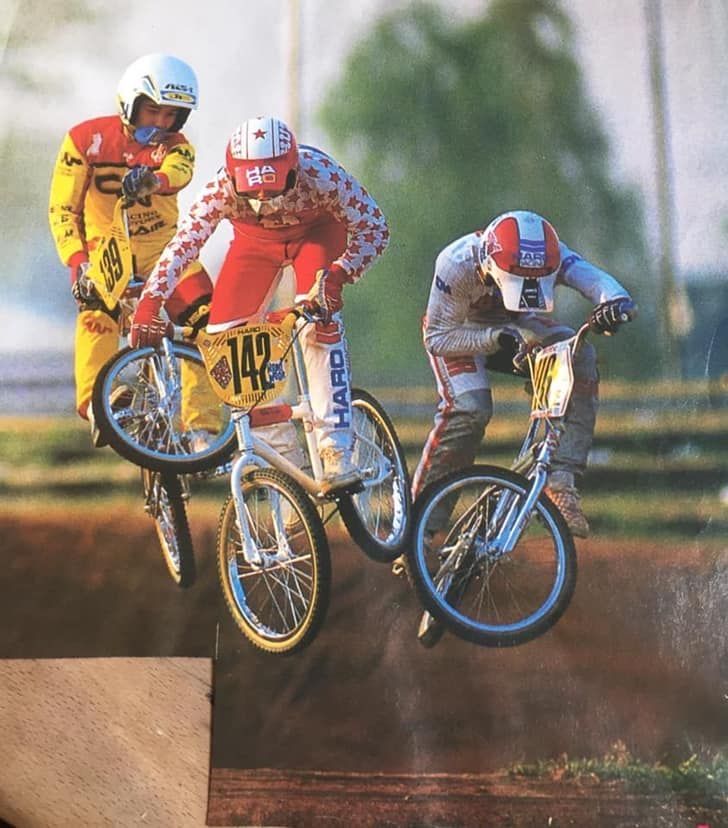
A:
[553,381]
[246,365]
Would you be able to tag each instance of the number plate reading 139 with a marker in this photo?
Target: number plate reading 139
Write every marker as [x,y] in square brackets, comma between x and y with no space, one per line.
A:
[553,381]
[246,365]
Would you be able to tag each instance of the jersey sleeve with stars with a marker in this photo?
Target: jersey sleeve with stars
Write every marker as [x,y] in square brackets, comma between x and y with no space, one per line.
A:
[325,183]
[214,203]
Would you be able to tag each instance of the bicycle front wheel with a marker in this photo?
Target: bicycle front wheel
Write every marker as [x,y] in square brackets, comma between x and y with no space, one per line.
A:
[275,572]
[461,572]
[159,411]
[164,503]
[379,517]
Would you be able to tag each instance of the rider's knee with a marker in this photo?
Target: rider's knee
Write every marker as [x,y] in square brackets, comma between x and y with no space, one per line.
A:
[473,410]
[98,321]
[585,363]
[195,315]
[189,303]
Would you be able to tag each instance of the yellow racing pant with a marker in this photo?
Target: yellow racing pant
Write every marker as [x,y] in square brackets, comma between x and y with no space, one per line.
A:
[97,339]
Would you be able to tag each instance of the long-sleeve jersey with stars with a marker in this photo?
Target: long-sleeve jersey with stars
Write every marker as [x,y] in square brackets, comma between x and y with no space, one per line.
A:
[324,192]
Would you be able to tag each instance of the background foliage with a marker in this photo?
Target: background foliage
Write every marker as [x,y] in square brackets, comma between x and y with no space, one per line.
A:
[449,124]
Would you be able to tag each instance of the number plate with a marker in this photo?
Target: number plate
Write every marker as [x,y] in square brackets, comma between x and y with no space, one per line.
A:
[110,260]
[246,365]
[553,381]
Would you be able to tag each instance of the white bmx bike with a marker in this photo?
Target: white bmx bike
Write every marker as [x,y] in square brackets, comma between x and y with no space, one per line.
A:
[273,555]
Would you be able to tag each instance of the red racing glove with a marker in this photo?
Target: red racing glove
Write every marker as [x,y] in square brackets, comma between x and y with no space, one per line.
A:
[327,289]
[147,327]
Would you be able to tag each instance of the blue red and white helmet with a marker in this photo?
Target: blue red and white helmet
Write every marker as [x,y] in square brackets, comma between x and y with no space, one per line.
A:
[262,158]
[520,252]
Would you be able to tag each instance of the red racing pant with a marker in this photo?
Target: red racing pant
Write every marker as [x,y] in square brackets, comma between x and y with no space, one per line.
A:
[243,292]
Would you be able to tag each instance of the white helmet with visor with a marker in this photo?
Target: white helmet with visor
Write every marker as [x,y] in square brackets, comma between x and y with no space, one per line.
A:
[163,79]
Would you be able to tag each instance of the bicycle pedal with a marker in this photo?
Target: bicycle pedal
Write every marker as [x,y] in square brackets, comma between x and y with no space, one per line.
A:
[399,567]
[333,492]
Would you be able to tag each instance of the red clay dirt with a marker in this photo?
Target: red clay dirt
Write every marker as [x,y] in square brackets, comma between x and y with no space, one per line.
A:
[366,727]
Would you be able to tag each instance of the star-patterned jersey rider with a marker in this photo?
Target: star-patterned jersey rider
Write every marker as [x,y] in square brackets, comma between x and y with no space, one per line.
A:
[287,205]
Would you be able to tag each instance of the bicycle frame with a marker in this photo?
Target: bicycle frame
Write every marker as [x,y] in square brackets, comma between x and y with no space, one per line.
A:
[256,452]
[552,388]
[534,457]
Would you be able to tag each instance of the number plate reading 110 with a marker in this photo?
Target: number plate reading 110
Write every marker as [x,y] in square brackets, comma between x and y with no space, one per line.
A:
[246,365]
[553,381]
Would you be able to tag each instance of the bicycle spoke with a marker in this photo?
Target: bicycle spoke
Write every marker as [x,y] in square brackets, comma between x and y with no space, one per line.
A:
[483,593]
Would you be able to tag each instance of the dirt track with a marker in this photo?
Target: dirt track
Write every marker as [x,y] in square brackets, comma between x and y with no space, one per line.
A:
[640,656]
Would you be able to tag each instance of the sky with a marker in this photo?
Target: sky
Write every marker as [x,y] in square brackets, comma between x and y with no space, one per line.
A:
[243,65]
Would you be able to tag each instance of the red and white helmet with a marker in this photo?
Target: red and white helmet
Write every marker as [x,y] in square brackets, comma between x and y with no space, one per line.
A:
[262,158]
[520,252]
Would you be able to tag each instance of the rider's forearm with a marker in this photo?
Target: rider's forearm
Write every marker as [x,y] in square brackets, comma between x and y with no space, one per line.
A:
[444,340]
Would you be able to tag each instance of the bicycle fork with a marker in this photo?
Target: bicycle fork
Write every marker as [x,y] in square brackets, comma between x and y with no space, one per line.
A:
[255,453]
[515,517]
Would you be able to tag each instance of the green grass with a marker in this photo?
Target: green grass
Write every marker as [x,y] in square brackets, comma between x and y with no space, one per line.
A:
[700,778]
[654,475]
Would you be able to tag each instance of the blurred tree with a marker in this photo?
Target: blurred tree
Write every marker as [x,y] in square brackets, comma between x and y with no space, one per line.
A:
[32,270]
[28,154]
[450,124]
[28,25]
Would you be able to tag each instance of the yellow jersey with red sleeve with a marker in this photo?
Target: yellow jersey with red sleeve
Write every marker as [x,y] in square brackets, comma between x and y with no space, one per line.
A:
[93,159]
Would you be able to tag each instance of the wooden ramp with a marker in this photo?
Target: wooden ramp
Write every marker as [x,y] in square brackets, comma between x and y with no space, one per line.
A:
[104,741]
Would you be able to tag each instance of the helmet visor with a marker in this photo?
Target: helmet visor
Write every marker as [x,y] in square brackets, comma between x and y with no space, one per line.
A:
[524,295]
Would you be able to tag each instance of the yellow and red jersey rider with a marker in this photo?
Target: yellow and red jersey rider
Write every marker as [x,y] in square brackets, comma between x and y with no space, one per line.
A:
[139,155]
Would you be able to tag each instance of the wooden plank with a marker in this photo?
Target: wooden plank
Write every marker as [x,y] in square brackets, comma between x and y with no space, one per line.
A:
[104,741]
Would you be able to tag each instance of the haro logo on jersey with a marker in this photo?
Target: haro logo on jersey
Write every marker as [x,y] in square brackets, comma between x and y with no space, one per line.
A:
[260,175]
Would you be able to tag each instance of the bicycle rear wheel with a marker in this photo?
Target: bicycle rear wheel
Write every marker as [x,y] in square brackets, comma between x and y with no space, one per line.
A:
[379,517]
[164,503]
[277,589]
[145,405]
[464,579]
